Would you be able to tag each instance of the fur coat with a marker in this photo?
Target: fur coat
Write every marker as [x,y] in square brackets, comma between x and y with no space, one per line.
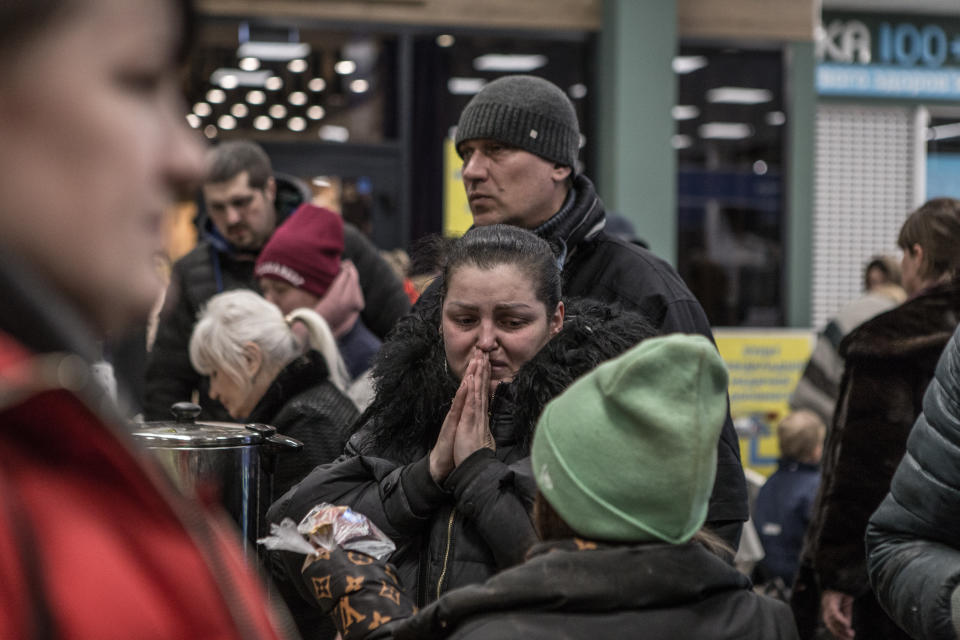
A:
[889,361]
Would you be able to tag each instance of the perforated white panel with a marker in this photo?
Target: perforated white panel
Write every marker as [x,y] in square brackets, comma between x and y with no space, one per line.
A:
[868,177]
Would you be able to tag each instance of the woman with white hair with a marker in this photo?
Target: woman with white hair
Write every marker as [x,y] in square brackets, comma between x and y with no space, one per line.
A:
[261,372]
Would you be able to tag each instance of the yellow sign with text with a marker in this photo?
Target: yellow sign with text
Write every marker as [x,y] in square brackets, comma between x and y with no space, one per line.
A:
[764,367]
[456,210]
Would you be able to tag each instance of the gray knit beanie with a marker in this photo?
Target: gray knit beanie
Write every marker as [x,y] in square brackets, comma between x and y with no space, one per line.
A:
[527,112]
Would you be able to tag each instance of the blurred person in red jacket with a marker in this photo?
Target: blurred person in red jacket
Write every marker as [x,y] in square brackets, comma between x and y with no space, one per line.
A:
[94,540]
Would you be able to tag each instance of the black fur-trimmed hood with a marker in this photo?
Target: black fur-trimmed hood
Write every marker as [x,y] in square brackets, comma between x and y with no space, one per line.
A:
[923,323]
[414,389]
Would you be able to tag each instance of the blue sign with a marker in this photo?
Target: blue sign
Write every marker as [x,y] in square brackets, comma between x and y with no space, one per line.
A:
[896,56]
[887,81]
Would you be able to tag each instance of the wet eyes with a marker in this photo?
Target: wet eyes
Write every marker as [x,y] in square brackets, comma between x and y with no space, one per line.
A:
[507,323]
[514,323]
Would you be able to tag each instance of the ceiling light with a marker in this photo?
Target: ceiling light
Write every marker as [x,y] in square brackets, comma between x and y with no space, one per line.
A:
[509,62]
[233,78]
[263,123]
[681,141]
[256,97]
[315,112]
[239,110]
[334,133]
[249,64]
[210,131]
[684,112]
[216,96]
[445,40]
[465,86]
[278,111]
[775,118]
[760,167]
[688,64]
[297,123]
[739,95]
[725,130]
[193,120]
[298,98]
[273,83]
[345,67]
[202,109]
[317,84]
[297,65]
[273,50]
[577,91]
[321,181]
[227,121]
[359,86]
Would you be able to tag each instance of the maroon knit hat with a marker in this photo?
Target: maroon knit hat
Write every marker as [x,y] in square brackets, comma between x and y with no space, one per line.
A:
[305,250]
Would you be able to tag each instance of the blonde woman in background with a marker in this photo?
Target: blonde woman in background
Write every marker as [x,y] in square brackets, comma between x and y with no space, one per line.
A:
[261,372]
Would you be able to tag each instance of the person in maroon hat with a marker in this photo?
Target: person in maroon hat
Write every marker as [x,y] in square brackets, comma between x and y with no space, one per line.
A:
[298,267]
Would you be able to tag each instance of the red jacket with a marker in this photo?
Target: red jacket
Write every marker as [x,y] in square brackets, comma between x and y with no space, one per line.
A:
[94,542]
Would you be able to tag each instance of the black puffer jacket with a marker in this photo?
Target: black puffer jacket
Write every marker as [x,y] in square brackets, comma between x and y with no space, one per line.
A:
[215,266]
[913,539]
[478,522]
[888,363]
[303,404]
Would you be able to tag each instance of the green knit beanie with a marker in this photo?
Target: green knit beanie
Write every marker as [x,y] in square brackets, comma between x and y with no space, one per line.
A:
[628,453]
[527,112]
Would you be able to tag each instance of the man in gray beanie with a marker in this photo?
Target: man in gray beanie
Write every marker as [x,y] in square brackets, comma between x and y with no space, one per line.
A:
[519,140]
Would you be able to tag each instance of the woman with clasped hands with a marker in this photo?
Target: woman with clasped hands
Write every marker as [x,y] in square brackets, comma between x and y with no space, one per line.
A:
[441,460]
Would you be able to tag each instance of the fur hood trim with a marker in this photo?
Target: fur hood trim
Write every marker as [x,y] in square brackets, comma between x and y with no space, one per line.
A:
[414,388]
[923,323]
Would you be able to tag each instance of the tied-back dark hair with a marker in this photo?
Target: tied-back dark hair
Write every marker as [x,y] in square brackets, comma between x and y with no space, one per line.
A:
[935,226]
[230,159]
[23,20]
[501,244]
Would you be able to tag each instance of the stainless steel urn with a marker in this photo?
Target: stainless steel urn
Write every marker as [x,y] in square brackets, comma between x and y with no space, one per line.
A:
[234,460]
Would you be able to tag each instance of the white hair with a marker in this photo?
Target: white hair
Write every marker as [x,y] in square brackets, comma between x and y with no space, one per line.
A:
[231,319]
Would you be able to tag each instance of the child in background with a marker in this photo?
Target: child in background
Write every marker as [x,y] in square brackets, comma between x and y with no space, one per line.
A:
[784,503]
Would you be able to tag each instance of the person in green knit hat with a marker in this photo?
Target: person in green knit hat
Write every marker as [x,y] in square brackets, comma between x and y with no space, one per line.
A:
[625,461]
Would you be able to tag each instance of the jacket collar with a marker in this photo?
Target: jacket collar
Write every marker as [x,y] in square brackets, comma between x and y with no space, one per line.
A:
[415,389]
[580,218]
[304,372]
[221,245]
[920,324]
